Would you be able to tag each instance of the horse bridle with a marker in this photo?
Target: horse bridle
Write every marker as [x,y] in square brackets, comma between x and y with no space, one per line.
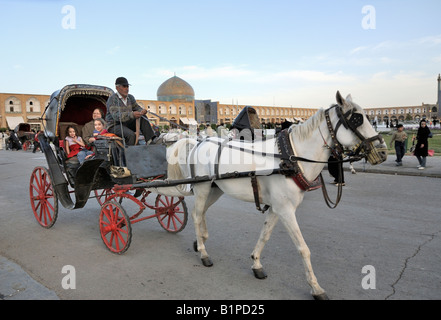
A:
[365,149]
[351,120]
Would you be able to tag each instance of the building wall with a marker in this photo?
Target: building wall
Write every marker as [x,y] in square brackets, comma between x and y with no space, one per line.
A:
[170,110]
[410,113]
[28,106]
[276,115]
[31,107]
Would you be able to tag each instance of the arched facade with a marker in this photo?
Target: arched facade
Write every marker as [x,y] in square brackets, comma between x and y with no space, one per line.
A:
[176,100]
[402,114]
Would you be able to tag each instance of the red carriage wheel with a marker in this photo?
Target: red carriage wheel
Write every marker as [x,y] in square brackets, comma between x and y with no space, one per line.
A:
[27,145]
[115,227]
[171,213]
[44,200]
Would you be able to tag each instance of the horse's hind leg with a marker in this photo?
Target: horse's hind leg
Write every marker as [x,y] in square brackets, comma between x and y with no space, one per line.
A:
[205,196]
[267,229]
[290,222]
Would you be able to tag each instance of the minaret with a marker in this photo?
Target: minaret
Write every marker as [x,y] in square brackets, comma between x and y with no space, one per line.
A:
[438,104]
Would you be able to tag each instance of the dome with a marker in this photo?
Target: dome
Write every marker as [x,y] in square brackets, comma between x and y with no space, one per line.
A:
[175,89]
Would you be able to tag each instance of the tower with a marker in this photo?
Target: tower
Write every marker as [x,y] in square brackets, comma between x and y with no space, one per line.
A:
[438,104]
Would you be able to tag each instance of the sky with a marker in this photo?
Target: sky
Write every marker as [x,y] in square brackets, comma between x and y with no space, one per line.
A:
[286,53]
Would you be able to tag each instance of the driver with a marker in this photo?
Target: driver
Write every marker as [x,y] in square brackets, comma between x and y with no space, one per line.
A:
[122,113]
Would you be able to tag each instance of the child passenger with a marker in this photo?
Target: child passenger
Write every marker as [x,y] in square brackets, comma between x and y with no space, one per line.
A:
[100,127]
[75,145]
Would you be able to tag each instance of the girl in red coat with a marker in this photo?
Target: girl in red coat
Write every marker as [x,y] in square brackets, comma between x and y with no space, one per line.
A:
[75,146]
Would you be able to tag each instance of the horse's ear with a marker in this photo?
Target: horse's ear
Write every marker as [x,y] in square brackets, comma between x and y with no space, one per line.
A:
[340,99]
[349,98]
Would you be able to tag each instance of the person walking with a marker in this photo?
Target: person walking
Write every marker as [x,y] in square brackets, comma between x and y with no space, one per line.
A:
[335,168]
[399,137]
[422,145]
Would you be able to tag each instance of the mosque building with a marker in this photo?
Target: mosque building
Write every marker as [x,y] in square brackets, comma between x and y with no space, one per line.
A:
[176,102]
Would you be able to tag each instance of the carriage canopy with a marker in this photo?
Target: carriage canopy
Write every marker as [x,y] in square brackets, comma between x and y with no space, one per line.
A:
[73,104]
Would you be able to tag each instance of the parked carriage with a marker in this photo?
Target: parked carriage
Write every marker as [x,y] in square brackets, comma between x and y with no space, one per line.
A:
[104,177]
[25,135]
[20,138]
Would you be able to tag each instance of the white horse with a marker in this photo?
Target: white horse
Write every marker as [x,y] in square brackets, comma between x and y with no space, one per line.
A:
[343,125]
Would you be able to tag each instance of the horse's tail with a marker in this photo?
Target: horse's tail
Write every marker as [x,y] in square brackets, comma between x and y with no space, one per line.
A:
[177,169]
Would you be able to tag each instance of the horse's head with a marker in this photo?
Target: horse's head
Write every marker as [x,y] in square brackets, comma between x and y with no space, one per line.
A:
[354,131]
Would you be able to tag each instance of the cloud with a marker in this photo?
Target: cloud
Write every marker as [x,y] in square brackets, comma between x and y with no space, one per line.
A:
[310,76]
[202,73]
[437,59]
[358,50]
[113,51]
[430,40]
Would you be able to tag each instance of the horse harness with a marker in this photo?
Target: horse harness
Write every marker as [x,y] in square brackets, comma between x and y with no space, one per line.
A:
[289,162]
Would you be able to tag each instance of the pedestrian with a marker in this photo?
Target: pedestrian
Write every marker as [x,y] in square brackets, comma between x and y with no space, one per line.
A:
[422,145]
[399,137]
[36,142]
[335,169]
[123,112]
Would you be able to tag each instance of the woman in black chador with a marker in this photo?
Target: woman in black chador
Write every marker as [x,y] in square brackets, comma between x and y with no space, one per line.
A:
[422,146]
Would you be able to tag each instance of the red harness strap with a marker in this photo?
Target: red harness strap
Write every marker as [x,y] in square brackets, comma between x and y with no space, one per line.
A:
[304,184]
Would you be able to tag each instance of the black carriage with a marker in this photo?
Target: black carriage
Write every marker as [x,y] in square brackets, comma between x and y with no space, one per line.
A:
[21,137]
[115,172]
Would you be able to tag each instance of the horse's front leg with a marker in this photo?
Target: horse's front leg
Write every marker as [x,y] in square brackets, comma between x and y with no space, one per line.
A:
[290,222]
[267,229]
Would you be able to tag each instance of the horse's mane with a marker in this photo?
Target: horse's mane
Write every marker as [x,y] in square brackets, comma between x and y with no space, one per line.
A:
[304,130]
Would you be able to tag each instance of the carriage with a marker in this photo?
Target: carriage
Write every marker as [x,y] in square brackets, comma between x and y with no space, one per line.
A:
[25,135]
[274,172]
[102,177]
[21,138]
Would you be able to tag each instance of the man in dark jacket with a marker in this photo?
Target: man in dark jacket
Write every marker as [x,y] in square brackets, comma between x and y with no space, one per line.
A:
[122,113]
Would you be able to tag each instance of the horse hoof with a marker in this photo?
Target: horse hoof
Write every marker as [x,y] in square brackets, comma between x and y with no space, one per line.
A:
[260,274]
[207,262]
[322,296]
